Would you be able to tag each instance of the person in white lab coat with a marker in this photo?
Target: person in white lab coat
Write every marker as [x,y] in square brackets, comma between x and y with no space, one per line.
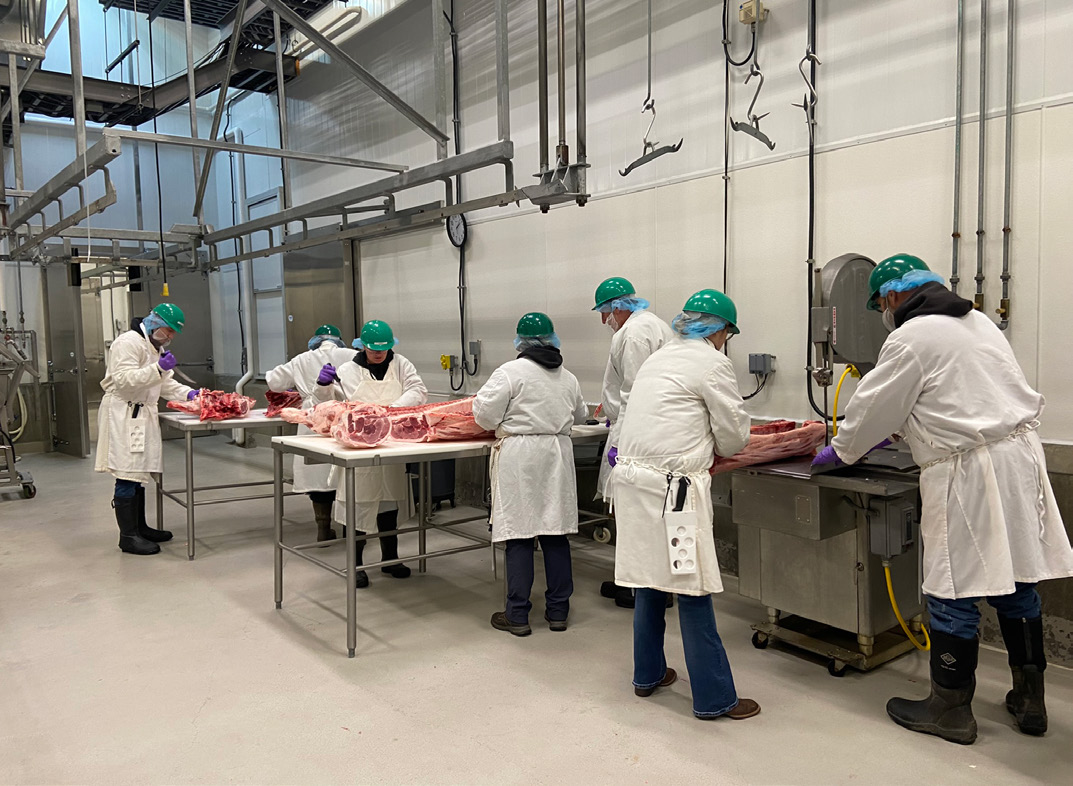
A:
[300,373]
[684,410]
[532,403]
[947,382]
[637,333]
[374,375]
[139,374]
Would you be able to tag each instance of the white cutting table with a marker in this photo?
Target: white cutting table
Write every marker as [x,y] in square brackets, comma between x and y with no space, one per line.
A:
[189,425]
[323,450]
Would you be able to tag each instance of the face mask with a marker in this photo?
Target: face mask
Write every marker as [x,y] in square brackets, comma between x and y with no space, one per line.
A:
[612,323]
[888,320]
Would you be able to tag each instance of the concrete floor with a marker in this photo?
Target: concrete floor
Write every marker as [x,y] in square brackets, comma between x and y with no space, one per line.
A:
[119,669]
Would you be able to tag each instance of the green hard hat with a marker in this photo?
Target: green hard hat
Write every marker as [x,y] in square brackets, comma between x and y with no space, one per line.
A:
[377,336]
[891,269]
[172,315]
[535,324]
[613,288]
[328,330]
[714,302]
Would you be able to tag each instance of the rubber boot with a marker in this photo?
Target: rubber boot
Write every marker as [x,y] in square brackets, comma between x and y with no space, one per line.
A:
[322,512]
[147,532]
[361,580]
[126,516]
[947,712]
[1024,644]
[388,521]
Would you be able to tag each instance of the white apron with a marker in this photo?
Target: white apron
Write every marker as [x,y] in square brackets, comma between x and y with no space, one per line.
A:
[537,473]
[642,556]
[602,489]
[300,373]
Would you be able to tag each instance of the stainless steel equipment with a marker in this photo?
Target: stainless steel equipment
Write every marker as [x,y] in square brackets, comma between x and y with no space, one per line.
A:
[67,362]
[843,329]
[321,284]
[18,357]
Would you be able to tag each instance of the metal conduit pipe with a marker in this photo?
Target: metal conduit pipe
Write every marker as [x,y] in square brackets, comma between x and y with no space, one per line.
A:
[1004,304]
[542,80]
[580,75]
[562,152]
[955,233]
[978,300]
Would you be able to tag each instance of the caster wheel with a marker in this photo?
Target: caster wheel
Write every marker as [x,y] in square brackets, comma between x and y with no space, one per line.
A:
[601,535]
[29,491]
[836,668]
[760,641]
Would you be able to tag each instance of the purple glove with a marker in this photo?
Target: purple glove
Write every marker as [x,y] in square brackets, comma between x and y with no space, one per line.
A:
[327,375]
[192,395]
[607,424]
[885,443]
[827,457]
[167,361]
[612,456]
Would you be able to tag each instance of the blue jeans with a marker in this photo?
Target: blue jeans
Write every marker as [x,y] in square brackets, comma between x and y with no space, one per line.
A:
[706,659]
[557,571]
[126,489]
[961,618]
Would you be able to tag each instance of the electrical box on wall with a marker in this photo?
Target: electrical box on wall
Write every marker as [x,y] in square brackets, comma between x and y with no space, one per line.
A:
[762,364]
[751,11]
[449,362]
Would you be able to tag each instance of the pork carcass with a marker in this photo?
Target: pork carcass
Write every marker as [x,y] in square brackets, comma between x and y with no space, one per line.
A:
[277,402]
[442,421]
[769,442]
[215,405]
[363,427]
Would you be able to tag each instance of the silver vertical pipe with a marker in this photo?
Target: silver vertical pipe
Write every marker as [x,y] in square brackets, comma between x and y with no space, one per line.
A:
[16,120]
[277,520]
[955,233]
[191,88]
[561,29]
[78,94]
[502,72]
[1004,304]
[979,299]
[542,79]
[351,564]
[281,101]
[580,75]
[439,68]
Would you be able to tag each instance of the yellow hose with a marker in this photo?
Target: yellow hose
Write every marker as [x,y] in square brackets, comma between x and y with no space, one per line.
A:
[897,613]
[834,415]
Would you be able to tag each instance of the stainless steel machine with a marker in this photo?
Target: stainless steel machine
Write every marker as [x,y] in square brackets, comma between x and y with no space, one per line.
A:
[815,549]
[17,358]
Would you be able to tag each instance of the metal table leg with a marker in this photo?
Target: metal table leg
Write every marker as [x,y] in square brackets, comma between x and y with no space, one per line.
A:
[190,495]
[351,565]
[159,478]
[277,490]
[422,512]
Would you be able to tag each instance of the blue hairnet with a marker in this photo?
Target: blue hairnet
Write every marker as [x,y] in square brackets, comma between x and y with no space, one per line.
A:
[911,280]
[694,324]
[522,343]
[631,303]
[358,345]
[153,322]
[316,341]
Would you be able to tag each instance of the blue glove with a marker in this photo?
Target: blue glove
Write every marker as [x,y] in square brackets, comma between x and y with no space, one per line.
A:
[827,457]
[327,375]
[167,361]
[192,395]
[612,456]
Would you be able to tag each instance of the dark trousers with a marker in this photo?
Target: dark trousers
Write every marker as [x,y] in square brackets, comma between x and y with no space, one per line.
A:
[126,489]
[557,571]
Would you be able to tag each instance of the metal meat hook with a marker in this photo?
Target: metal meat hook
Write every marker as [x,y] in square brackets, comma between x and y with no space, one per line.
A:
[808,103]
[650,152]
[752,128]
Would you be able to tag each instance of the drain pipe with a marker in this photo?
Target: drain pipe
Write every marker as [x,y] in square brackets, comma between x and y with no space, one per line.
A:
[1004,304]
[955,233]
[978,300]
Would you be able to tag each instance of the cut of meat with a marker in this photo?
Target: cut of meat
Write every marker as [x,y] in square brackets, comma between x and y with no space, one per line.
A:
[774,427]
[293,415]
[215,405]
[443,421]
[277,402]
[361,428]
[766,445]
[410,427]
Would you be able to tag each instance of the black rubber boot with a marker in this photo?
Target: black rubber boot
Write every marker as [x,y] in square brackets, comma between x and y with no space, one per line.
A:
[147,532]
[388,521]
[947,712]
[126,516]
[361,580]
[322,512]
[1024,644]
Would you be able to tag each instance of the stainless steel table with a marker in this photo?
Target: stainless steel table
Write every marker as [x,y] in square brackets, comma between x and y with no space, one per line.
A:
[189,425]
[318,449]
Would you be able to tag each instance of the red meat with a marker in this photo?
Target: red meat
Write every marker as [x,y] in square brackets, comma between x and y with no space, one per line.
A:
[361,428]
[215,405]
[766,445]
[277,402]
[439,422]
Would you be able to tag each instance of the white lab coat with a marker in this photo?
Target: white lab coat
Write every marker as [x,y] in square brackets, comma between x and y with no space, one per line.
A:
[951,387]
[532,410]
[401,387]
[300,373]
[133,377]
[684,409]
[631,346]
